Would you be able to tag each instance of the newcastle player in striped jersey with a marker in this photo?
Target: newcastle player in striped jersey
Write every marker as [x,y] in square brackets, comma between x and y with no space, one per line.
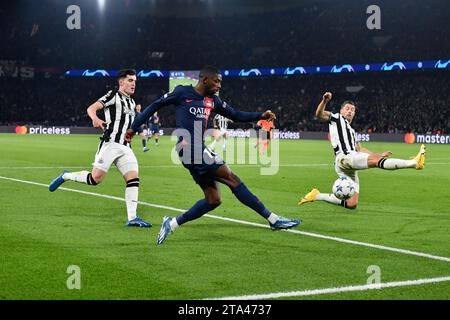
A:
[351,156]
[220,124]
[119,110]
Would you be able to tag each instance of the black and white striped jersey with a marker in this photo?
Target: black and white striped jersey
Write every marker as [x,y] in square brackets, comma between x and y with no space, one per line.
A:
[342,135]
[119,115]
[221,122]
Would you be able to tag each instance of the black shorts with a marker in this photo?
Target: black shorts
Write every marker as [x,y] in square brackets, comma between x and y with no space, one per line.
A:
[264,135]
[203,173]
[155,129]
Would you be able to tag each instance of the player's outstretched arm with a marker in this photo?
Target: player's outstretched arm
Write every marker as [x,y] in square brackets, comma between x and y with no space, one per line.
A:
[238,116]
[92,113]
[143,117]
[165,100]
[140,119]
[321,113]
[229,112]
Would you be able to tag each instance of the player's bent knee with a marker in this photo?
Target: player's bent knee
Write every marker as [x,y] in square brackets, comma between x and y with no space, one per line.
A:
[373,160]
[351,204]
[98,177]
[235,179]
[131,175]
[215,201]
[213,198]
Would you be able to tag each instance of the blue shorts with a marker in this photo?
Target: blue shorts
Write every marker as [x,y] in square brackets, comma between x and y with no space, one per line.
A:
[155,129]
[203,173]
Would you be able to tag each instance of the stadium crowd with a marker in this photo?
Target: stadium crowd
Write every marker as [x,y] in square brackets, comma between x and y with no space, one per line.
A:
[386,102]
[307,33]
[61,101]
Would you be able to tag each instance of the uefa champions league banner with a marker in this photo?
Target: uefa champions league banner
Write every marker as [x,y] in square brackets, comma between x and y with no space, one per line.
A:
[285,71]
[238,133]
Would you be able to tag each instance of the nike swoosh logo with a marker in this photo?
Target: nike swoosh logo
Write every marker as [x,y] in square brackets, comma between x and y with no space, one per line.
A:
[189,100]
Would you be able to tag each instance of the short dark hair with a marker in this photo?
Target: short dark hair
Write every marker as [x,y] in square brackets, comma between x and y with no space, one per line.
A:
[208,71]
[349,102]
[125,72]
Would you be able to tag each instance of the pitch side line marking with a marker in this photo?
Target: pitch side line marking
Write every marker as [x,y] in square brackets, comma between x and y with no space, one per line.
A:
[315,292]
[179,166]
[310,234]
[359,243]
[176,166]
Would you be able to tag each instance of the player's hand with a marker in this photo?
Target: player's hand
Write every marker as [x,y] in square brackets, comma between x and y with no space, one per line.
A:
[98,123]
[129,135]
[327,97]
[269,116]
[386,154]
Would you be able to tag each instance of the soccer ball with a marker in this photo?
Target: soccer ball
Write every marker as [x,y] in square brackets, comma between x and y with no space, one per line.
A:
[344,188]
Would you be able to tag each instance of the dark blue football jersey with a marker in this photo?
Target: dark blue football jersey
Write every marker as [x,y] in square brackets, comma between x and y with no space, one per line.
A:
[192,113]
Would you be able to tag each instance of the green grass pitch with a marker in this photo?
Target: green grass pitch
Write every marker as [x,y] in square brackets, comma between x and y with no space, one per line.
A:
[43,233]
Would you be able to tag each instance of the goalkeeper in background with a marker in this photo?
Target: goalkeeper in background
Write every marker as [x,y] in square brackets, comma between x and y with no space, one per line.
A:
[266,126]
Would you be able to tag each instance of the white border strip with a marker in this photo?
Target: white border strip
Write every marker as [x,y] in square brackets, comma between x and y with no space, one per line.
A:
[310,234]
[316,292]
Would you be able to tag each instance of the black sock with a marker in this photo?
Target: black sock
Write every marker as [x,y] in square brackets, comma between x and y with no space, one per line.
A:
[380,163]
[133,182]
[90,180]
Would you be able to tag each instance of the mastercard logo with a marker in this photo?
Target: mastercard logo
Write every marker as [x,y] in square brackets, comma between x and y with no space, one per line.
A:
[410,138]
[21,129]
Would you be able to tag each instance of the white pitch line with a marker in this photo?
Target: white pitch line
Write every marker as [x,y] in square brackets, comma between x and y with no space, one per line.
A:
[309,234]
[315,292]
[174,166]
[28,168]
[305,165]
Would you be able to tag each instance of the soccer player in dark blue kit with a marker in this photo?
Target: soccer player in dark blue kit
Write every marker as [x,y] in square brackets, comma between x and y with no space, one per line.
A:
[154,126]
[193,108]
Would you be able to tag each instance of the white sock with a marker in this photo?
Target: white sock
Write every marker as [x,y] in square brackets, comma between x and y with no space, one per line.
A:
[272,218]
[80,176]
[394,164]
[173,224]
[224,143]
[131,200]
[328,197]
